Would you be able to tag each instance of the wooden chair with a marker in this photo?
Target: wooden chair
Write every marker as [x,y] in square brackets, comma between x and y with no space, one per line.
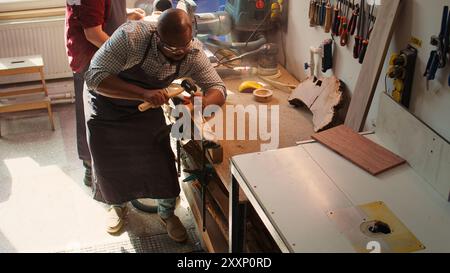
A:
[25,99]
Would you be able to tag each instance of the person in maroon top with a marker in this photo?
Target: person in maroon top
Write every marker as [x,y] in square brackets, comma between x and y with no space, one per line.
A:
[89,24]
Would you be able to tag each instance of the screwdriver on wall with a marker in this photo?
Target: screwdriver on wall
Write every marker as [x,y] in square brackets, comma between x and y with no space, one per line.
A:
[344,25]
[359,35]
[365,43]
[312,8]
[318,11]
[337,18]
[322,12]
[354,18]
[342,16]
[328,17]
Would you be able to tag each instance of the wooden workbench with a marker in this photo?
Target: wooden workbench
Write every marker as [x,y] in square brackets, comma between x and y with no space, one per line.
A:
[295,124]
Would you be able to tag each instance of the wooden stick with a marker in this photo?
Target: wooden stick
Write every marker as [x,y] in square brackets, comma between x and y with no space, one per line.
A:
[172,91]
[372,66]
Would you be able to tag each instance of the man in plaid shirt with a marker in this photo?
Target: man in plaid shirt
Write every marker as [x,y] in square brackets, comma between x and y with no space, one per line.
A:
[138,62]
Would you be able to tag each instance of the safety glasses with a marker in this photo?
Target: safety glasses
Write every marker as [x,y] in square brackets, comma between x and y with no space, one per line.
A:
[188,48]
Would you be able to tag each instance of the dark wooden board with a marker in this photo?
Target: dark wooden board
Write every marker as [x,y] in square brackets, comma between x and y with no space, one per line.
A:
[359,150]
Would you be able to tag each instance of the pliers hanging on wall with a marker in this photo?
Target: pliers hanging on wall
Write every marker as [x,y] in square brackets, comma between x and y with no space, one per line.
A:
[438,57]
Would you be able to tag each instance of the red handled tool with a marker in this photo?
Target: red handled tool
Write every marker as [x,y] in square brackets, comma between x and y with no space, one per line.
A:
[337,18]
[354,19]
[344,26]
[359,35]
[365,43]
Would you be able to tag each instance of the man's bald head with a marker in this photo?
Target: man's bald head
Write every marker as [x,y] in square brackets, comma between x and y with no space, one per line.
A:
[175,27]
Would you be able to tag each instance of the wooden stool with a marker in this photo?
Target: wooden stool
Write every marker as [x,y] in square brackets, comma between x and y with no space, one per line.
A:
[25,99]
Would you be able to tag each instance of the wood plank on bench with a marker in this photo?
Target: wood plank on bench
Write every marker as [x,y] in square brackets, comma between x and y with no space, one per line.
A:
[366,154]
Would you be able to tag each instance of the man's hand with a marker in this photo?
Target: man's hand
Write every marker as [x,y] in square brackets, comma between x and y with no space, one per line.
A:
[135,14]
[156,97]
[189,102]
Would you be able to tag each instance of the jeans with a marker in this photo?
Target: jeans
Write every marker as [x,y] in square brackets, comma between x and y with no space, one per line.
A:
[166,207]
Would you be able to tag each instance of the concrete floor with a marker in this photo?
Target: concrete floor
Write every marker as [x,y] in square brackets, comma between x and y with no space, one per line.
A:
[44,205]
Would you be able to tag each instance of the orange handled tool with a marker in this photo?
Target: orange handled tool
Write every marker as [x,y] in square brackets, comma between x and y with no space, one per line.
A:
[365,43]
[344,27]
[328,17]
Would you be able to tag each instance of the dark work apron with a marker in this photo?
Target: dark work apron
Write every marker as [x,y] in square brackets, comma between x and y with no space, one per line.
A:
[131,161]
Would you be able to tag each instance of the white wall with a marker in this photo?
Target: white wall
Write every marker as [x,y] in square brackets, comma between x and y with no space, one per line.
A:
[418,18]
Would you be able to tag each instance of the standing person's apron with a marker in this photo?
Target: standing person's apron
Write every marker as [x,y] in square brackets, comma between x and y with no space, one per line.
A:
[130,159]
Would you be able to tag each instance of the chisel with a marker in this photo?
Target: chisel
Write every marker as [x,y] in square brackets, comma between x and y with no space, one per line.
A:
[359,35]
[337,18]
[344,26]
[312,8]
[312,5]
[317,14]
[354,19]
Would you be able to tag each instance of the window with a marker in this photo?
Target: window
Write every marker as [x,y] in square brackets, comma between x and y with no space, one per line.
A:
[19,5]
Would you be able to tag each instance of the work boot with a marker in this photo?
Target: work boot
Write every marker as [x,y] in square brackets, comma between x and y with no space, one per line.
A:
[175,229]
[115,220]
[87,173]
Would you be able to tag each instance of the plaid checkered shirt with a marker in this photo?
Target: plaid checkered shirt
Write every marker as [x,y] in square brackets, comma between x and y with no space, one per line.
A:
[126,48]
